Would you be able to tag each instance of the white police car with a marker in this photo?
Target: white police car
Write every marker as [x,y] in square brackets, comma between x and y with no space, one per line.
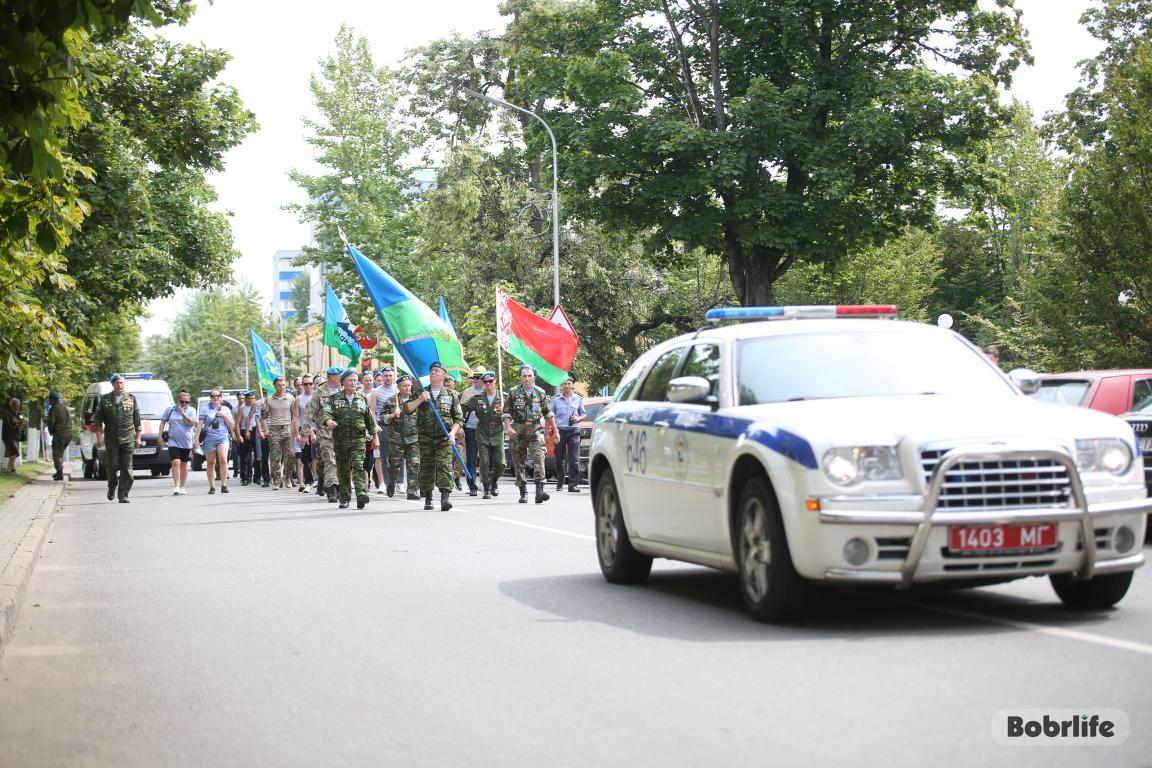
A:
[826,447]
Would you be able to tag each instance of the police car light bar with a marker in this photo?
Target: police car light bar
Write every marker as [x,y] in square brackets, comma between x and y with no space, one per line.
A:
[801,312]
[139,375]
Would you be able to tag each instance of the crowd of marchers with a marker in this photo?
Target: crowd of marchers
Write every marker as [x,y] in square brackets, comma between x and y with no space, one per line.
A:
[339,432]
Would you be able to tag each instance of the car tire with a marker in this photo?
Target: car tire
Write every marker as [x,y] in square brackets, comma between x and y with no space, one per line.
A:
[619,562]
[1102,591]
[769,584]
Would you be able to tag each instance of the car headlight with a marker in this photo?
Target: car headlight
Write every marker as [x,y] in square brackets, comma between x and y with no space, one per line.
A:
[846,466]
[1106,454]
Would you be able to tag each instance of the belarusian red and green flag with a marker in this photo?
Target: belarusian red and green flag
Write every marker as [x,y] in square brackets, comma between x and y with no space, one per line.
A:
[546,346]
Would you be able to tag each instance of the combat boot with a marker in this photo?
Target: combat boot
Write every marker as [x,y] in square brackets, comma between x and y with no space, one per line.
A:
[391,490]
[541,497]
[413,496]
[427,499]
[487,492]
[332,491]
[524,494]
[495,492]
[445,505]
[361,501]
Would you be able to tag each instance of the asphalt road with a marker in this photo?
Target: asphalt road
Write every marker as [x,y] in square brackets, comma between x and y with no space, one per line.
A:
[268,629]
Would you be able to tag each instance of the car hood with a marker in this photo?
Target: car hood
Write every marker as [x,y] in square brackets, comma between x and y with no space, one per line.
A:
[936,418]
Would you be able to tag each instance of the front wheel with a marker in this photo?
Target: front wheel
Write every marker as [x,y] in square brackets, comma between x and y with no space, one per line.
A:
[619,562]
[1098,592]
[769,584]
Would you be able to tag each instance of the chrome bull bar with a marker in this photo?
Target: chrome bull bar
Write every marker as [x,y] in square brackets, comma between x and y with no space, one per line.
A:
[959,455]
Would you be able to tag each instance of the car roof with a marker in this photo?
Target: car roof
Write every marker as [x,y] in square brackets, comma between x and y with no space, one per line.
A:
[764,329]
[1107,374]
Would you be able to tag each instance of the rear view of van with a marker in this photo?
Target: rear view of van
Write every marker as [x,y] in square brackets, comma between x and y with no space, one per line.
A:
[153,397]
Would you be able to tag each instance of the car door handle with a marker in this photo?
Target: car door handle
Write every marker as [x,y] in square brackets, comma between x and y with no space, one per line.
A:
[660,425]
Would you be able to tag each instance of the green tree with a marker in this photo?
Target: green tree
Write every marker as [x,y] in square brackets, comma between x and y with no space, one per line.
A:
[762,133]
[195,355]
[361,142]
[301,297]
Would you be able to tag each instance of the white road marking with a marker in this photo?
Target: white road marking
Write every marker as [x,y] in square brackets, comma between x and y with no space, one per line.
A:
[48,650]
[583,536]
[1066,634]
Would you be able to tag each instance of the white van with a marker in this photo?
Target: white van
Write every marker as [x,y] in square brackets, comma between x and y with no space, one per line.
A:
[153,397]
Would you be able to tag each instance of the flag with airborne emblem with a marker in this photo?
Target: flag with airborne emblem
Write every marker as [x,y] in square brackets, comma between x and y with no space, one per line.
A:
[338,330]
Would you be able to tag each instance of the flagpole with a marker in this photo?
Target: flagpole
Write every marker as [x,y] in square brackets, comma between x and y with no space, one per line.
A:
[499,355]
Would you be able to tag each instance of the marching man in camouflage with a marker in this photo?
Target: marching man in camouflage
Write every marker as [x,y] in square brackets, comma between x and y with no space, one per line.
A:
[525,411]
[403,439]
[435,447]
[349,416]
[60,426]
[281,429]
[118,414]
[488,407]
[321,436]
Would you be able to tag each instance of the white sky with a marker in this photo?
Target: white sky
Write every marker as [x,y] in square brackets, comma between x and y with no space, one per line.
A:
[276,44]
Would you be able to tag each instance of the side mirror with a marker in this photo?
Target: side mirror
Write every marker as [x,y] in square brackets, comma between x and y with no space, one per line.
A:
[690,389]
[1026,379]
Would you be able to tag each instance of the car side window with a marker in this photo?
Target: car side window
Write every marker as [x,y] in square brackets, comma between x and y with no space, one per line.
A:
[655,386]
[704,361]
[1141,391]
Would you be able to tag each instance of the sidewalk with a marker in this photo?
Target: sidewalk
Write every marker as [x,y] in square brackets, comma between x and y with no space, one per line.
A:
[24,523]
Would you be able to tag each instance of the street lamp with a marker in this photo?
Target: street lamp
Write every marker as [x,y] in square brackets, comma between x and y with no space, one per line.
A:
[555,185]
[244,347]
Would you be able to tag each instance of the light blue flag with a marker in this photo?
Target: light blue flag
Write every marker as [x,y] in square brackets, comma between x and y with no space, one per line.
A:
[338,331]
[267,366]
[443,312]
[418,334]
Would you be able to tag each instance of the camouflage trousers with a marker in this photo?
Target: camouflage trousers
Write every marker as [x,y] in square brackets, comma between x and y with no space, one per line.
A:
[404,461]
[435,464]
[326,459]
[528,446]
[59,445]
[281,457]
[350,469]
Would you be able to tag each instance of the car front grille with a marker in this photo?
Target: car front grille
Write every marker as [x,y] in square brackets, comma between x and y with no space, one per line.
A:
[999,484]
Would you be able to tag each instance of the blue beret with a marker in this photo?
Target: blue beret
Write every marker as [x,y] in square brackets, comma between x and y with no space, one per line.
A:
[346,374]
[116,377]
[335,370]
[436,364]
[53,395]
[526,367]
[488,373]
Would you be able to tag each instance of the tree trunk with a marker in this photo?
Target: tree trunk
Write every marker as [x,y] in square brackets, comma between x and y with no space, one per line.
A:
[754,271]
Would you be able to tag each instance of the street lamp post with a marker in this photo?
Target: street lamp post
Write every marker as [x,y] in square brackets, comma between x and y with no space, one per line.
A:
[244,347]
[555,185]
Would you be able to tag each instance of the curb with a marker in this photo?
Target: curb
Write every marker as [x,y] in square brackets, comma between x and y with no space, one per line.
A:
[16,574]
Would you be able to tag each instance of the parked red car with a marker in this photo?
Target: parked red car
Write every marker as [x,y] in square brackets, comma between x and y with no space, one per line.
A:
[1113,392]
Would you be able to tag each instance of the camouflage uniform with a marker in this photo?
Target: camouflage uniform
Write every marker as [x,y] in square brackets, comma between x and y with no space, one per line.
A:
[403,447]
[525,412]
[489,438]
[60,425]
[120,422]
[354,426]
[281,455]
[326,452]
[435,451]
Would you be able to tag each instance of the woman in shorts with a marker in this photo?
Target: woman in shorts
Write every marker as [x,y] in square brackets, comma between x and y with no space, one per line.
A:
[216,424]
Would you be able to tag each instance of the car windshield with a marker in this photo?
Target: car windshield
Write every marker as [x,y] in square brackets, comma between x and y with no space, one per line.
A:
[1063,391]
[812,366]
[592,411]
[152,404]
